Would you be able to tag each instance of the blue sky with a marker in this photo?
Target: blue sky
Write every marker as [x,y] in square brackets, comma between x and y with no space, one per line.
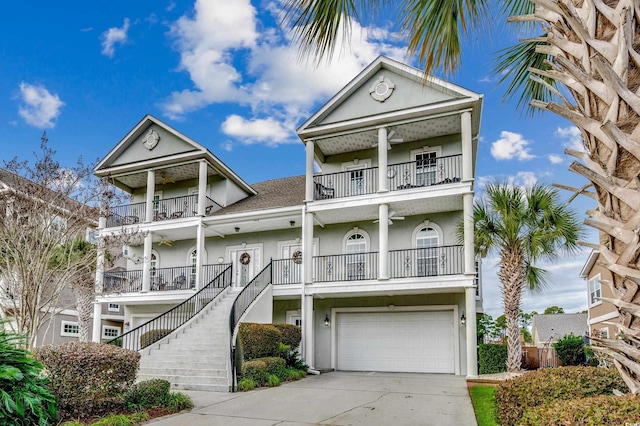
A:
[224,74]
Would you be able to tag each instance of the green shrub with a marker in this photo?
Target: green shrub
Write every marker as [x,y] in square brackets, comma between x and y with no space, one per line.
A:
[295,374]
[24,396]
[122,419]
[492,358]
[178,401]
[600,410]
[152,336]
[259,340]
[246,384]
[275,366]
[273,380]
[291,334]
[255,370]
[88,379]
[149,393]
[570,350]
[533,389]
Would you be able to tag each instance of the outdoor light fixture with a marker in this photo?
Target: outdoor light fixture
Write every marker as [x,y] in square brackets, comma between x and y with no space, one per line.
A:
[292,223]
[463,319]
[326,320]
[220,259]
[237,228]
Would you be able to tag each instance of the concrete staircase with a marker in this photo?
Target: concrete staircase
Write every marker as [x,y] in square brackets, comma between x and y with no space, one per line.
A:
[196,355]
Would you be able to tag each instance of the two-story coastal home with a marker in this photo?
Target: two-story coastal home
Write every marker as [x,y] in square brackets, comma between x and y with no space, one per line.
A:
[364,254]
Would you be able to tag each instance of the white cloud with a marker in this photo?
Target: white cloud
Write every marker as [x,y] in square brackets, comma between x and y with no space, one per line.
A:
[227,146]
[112,36]
[271,80]
[572,138]
[39,107]
[256,130]
[556,159]
[511,145]
[524,179]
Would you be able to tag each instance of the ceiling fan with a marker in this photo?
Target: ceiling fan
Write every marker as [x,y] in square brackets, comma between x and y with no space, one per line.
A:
[165,178]
[392,217]
[165,242]
[390,139]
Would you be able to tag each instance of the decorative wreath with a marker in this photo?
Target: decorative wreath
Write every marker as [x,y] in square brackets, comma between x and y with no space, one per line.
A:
[297,257]
[245,258]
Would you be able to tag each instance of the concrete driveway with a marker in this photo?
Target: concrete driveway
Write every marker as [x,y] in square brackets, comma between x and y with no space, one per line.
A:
[337,398]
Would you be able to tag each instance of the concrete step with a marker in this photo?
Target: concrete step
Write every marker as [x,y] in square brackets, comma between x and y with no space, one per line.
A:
[195,380]
[185,372]
[195,365]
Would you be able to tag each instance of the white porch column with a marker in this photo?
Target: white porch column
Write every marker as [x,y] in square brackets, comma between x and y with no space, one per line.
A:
[383,232]
[146,270]
[307,300]
[151,189]
[200,255]
[472,355]
[469,254]
[310,147]
[467,151]
[383,146]
[96,333]
[202,189]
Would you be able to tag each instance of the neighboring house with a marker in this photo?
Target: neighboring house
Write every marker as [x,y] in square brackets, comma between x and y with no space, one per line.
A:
[602,315]
[387,284]
[548,329]
[60,324]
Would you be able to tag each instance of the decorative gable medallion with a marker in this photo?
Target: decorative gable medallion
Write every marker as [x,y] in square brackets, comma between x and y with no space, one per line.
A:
[381,89]
[151,139]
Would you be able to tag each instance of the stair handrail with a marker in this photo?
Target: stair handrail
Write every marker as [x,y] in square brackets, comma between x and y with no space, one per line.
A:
[164,324]
[244,299]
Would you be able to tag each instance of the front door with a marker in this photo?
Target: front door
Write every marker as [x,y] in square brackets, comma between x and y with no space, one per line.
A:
[246,264]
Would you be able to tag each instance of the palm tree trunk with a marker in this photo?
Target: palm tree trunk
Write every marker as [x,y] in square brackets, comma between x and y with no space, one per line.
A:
[84,306]
[593,47]
[510,274]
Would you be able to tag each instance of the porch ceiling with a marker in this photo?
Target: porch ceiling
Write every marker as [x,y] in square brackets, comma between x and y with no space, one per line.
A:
[166,175]
[408,132]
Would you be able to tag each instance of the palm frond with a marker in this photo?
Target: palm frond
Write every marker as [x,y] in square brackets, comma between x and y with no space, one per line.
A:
[513,64]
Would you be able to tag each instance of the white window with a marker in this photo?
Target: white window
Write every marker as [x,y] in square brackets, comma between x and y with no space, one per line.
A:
[427,252]
[70,329]
[125,251]
[426,168]
[114,307]
[595,290]
[91,236]
[355,248]
[358,182]
[604,333]
[110,332]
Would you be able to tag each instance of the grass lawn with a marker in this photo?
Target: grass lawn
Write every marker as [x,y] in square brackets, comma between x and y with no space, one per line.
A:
[483,400]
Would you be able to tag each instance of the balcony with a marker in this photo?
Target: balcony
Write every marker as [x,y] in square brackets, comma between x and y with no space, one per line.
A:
[162,279]
[402,176]
[165,209]
[407,263]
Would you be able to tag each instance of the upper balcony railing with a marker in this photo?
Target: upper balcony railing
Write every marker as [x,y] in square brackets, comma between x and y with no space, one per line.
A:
[162,279]
[168,208]
[413,174]
[407,263]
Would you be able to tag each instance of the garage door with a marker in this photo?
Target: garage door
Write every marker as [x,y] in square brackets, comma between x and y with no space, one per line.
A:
[419,342]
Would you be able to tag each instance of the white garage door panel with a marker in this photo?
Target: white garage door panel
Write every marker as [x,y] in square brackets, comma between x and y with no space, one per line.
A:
[396,341]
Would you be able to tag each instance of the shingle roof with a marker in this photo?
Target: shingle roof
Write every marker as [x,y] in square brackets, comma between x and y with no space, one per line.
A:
[556,326]
[284,192]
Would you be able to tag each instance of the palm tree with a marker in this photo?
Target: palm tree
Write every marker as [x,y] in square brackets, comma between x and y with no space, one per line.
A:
[584,65]
[525,226]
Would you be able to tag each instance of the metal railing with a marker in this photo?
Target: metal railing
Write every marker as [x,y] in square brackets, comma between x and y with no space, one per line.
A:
[346,184]
[168,208]
[127,214]
[122,281]
[287,271]
[176,278]
[425,172]
[346,267]
[165,323]
[209,272]
[248,294]
[426,262]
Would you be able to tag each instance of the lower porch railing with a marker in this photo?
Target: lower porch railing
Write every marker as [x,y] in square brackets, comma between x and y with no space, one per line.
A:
[165,323]
[248,294]
[426,262]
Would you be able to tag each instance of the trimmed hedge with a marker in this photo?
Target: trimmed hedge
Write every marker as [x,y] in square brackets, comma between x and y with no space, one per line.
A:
[255,370]
[570,350]
[276,366]
[534,389]
[88,379]
[291,334]
[259,340]
[149,393]
[492,358]
[599,410]
[152,336]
